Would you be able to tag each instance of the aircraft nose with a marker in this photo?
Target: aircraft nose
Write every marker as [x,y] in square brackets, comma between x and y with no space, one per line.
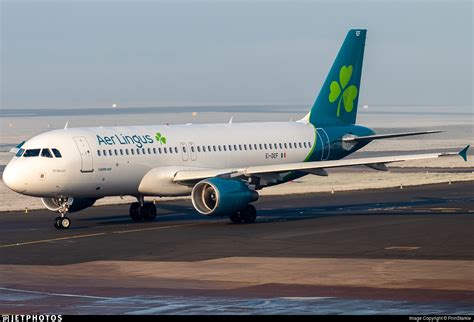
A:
[11,178]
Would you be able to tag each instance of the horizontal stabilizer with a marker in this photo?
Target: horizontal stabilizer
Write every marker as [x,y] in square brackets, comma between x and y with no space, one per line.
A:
[385,136]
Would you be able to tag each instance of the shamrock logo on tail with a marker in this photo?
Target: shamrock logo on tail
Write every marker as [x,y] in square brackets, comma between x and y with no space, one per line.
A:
[349,93]
[160,138]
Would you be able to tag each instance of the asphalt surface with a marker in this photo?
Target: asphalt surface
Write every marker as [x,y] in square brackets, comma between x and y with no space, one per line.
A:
[361,224]
[424,230]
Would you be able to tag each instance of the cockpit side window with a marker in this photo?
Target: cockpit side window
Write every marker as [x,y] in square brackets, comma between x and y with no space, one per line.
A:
[20,153]
[31,153]
[56,153]
[45,153]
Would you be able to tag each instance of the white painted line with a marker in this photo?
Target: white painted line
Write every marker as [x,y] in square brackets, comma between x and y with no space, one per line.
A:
[56,294]
[104,233]
[402,248]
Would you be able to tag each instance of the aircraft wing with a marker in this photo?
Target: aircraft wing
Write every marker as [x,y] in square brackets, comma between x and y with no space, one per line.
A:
[373,162]
[384,136]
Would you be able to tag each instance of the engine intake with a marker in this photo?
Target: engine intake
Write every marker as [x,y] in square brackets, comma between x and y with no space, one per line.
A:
[218,197]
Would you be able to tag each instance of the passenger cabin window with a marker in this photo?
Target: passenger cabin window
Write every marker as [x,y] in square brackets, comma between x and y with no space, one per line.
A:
[176,149]
[32,153]
[20,152]
[45,153]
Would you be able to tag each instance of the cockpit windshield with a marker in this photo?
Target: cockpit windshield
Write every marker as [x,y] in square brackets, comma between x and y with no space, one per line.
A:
[45,152]
[57,154]
[31,153]
[20,152]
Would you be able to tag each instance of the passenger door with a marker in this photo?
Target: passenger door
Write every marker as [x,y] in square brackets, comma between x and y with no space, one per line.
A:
[86,154]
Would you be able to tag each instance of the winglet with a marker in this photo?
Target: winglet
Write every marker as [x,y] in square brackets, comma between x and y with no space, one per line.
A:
[463,153]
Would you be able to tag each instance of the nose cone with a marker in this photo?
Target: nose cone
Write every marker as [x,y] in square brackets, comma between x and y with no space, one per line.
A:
[11,177]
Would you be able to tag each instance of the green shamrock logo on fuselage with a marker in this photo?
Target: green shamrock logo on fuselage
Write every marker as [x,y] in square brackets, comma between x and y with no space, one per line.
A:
[160,138]
[349,93]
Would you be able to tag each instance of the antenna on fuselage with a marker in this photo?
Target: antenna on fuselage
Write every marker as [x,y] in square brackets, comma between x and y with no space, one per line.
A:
[231,118]
[65,126]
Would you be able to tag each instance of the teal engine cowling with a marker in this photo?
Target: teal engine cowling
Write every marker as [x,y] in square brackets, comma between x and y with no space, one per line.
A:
[220,197]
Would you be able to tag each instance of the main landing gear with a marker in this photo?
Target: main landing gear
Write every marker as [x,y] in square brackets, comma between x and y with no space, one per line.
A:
[63,222]
[246,215]
[142,211]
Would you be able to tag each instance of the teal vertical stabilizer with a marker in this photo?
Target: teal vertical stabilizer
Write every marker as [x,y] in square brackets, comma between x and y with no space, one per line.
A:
[337,101]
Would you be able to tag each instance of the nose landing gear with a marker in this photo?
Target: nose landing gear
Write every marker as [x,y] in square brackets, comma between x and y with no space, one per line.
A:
[63,222]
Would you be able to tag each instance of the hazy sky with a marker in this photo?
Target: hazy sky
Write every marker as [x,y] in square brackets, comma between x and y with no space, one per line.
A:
[159,53]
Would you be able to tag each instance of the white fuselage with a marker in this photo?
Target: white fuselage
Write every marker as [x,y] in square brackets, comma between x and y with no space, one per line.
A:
[110,161]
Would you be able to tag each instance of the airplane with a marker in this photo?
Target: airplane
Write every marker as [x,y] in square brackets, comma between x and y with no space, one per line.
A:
[222,166]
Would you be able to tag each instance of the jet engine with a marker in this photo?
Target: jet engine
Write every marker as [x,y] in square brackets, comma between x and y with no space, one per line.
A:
[219,197]
[75,204]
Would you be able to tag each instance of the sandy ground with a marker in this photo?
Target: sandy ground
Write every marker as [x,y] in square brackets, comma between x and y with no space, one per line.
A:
[234,272]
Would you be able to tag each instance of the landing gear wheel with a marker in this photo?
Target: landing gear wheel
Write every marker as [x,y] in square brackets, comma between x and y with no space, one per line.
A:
[148,211]
[57,222]
[65,223]
[248,214]
[135,211]
[235,217]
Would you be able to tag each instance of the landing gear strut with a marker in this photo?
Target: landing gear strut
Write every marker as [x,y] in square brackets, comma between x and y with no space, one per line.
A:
[63,222]
[142,210]
[246,215]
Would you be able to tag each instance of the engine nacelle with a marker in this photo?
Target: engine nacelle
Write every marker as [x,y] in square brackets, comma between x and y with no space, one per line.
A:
[75,204]
[219,197]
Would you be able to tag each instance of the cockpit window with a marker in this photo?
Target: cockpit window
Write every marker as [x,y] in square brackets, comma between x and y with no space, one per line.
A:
[32,153]
[56,153]
[45,153]
[20,152]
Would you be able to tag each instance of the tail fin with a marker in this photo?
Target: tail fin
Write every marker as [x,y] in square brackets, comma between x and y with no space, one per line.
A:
[337,101]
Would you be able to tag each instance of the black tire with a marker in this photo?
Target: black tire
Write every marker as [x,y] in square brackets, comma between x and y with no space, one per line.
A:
[148,211]
[249,214]
[235,217]
[65,222]
[135,211]
[57,224]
